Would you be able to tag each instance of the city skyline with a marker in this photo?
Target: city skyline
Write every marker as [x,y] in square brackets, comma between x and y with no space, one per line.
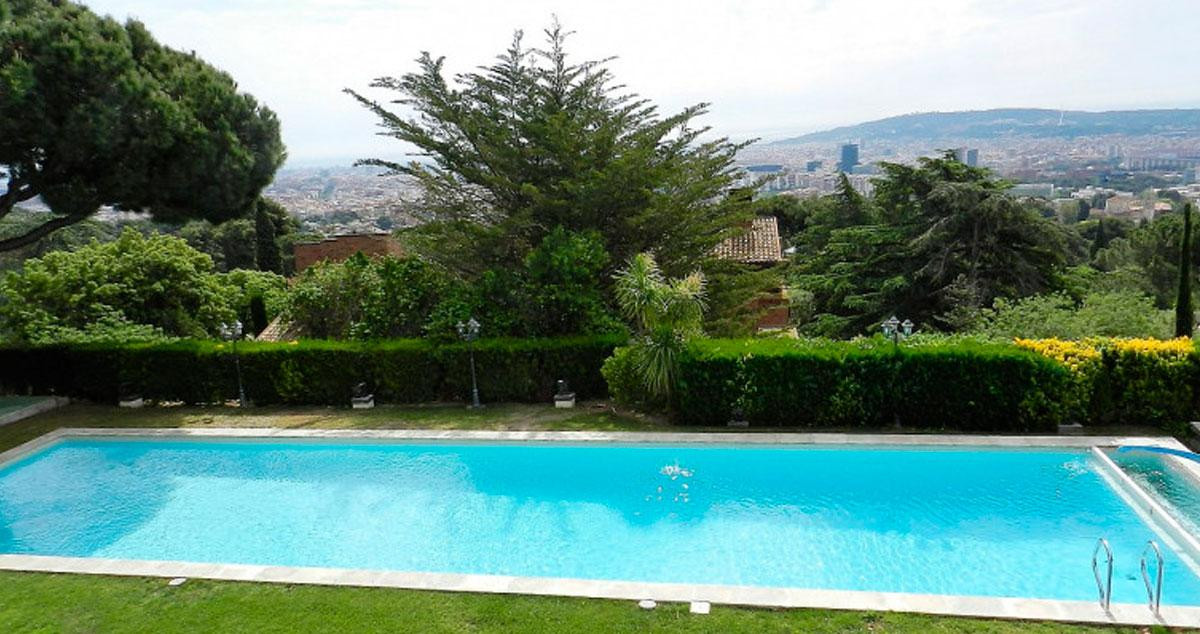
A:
[771,70]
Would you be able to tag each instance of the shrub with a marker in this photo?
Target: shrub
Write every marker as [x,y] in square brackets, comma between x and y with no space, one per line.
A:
[158,284]
[1128,381]
[967,386]
[309,372]
[625,384]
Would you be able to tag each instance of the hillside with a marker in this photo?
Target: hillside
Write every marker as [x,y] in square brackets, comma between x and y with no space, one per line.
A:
[1011,122]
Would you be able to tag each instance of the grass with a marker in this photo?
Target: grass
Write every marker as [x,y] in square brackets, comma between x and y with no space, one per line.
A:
[594,416]
[34,602]
[70,603]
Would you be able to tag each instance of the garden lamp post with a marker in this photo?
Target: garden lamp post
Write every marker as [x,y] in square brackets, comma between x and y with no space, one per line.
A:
[233,332]
[470,332]
[897,330]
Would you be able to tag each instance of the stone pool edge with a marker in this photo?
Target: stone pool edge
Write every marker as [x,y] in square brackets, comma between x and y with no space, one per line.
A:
[754,596]
[616,437]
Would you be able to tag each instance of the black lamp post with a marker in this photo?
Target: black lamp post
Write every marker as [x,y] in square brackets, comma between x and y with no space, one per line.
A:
[470,332]
[897,330]
[233,332]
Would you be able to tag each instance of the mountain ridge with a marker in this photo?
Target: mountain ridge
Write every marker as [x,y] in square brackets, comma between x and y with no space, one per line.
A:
[999,123]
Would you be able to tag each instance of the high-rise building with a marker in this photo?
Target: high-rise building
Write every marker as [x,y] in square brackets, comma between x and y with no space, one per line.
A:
[849,157]
[967,156]
[813,166]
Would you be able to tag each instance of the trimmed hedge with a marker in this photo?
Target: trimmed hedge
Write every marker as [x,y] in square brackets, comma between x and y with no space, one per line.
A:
[961,386]
[310,372]
[1128,381]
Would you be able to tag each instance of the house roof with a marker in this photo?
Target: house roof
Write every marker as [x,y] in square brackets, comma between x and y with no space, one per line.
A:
[280,329]
[759,244]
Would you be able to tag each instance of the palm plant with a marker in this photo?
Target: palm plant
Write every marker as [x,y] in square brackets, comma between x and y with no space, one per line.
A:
[664,313]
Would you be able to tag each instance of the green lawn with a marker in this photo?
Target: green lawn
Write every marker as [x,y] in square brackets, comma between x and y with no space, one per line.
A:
[71,603]
[31,602]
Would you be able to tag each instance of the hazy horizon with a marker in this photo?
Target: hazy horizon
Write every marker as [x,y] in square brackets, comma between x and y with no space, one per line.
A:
[771,70]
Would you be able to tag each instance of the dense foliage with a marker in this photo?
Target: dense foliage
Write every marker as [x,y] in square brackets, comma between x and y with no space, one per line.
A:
[364,298]
[936,242]
[309,372]
[536,146]
[948,246]
[96,113]
[955,384]
[555,292]
[1097,314]
[665,314]
[537,141]
[261,242]
[132,288]
[1128,381]
[961,386]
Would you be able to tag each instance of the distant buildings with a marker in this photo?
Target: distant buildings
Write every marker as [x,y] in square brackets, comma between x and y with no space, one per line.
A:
[1038,190]
[1134,208]
[849,157]
[967,156]
[1153,164]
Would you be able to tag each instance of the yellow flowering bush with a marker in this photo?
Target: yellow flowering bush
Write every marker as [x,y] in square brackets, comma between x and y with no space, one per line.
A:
[1072,354]
[1128,381]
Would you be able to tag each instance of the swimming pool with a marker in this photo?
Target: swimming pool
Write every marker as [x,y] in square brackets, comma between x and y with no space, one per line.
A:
[979,521]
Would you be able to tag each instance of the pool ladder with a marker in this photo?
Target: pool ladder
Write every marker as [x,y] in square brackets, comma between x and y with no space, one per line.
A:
[1155,591]
[1104,584]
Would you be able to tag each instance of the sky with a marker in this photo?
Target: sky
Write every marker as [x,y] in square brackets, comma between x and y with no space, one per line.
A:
[771,69]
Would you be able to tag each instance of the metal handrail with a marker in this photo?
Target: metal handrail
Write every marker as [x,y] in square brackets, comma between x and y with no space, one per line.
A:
[1105,587]
[1154,593]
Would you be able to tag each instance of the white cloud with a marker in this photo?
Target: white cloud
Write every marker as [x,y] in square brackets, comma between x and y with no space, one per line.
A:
[770,67]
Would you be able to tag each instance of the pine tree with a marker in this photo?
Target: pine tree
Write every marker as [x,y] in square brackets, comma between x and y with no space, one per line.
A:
[1185,317]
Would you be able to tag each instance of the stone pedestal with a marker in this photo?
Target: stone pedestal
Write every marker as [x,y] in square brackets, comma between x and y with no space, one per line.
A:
[564,401]
[132,403]
[363,402]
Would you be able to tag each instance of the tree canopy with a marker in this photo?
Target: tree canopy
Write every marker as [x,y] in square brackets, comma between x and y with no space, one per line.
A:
[937,243]
[537,141]
[133,288]
[96,113]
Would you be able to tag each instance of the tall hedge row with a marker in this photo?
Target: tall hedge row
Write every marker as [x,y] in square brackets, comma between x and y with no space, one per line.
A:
[310,372]
[971,386]
[963,386]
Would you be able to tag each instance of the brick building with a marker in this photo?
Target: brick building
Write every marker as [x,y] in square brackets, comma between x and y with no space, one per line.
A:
[339,248]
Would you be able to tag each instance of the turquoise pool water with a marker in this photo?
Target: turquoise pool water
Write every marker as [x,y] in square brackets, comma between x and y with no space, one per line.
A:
[1165,477]
[968,521]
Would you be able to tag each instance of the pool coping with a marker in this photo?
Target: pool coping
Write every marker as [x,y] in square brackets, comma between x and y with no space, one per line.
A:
[757,596]
[43,404]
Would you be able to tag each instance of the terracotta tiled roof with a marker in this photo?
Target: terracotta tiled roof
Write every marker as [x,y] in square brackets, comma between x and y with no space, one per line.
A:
[280,330]
[760,243]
